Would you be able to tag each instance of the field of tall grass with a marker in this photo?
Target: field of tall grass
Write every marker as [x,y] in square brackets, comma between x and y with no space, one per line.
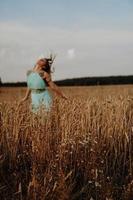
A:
[81,150]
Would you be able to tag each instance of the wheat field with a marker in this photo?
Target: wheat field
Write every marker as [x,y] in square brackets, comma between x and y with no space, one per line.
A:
[81,150]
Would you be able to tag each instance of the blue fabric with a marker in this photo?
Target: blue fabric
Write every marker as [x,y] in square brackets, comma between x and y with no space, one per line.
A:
[34,81]
[42,100]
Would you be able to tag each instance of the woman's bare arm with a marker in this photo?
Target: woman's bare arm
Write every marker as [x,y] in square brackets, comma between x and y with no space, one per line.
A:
[26,95]
[53,86]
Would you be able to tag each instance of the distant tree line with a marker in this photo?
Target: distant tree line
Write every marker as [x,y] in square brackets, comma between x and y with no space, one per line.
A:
[104,80]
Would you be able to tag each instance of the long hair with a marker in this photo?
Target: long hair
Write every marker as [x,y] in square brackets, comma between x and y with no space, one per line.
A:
[48,65]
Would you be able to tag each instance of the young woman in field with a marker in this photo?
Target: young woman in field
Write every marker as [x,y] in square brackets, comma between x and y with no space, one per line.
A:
[36,82]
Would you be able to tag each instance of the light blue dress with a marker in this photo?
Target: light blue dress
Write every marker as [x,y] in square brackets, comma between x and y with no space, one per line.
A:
[40,96]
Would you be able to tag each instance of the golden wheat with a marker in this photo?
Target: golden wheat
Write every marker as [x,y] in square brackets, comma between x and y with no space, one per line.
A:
[83,149]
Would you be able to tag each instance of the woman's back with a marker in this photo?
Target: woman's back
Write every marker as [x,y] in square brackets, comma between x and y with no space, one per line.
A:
[39,93]
[34,80]
[37,80]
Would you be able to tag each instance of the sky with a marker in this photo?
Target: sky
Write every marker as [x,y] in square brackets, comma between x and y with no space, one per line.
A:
[89,37]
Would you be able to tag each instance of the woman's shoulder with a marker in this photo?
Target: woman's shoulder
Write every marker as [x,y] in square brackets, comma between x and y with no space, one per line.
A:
[29,72]
[43,73]
[47,77]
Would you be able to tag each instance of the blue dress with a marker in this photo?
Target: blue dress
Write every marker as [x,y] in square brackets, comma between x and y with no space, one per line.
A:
[40,96]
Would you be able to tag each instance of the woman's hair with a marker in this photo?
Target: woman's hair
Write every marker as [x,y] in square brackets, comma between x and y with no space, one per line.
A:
[48,65]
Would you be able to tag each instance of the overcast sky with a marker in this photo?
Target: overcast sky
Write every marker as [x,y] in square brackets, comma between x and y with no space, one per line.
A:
[90,37]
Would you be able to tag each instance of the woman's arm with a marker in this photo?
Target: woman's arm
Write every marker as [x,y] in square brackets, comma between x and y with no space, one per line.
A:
[56,89]
[26,95]
[53,86]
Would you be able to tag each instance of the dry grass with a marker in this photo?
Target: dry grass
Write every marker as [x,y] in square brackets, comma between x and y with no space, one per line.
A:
[82,150]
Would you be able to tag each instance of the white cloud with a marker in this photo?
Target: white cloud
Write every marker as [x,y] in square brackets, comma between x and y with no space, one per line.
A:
[71,53]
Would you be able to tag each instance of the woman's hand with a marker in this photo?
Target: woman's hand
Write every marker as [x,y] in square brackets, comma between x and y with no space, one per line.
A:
[26,96]
[64,97]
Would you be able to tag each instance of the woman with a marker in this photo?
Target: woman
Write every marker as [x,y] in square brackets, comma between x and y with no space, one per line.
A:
[36,82]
